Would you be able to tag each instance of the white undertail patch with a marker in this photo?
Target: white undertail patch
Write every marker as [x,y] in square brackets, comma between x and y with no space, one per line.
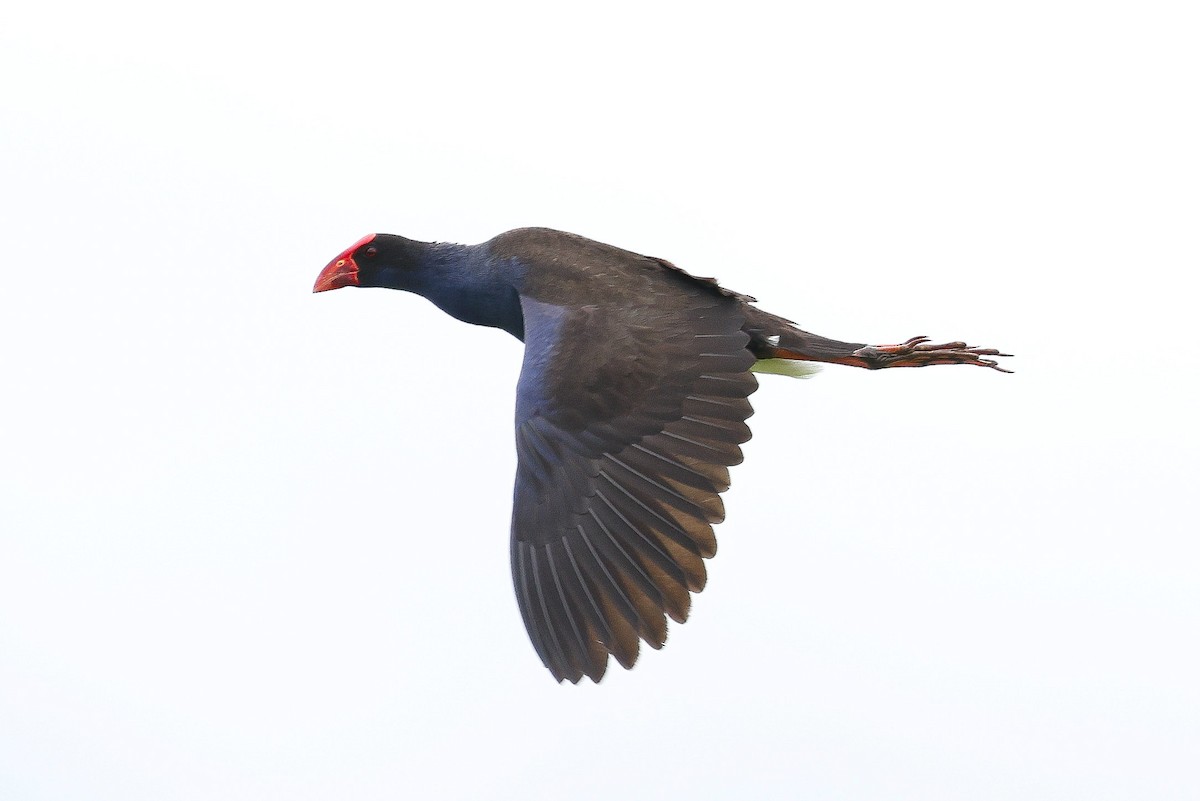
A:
[788,367]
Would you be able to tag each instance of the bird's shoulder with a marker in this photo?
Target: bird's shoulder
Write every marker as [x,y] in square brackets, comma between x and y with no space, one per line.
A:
[571,270]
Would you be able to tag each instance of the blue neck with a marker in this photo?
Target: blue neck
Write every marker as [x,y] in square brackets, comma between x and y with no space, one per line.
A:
[466,283]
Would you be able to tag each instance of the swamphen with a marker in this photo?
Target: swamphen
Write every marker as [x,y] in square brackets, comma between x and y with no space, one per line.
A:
[631,406]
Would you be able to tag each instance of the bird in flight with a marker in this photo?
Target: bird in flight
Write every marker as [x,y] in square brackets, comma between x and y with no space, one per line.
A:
[631,407]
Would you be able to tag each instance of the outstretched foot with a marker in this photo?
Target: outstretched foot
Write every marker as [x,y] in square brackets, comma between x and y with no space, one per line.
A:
[918,352]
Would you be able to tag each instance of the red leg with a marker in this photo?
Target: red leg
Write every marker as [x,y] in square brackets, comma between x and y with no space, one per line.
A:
[919,352]
[916,352]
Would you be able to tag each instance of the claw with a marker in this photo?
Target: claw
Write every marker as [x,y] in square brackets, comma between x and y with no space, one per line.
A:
[919,352]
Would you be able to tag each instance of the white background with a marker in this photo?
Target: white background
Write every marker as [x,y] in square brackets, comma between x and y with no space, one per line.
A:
[253,542]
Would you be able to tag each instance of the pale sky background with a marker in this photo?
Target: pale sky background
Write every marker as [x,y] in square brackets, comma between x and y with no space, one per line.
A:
[254,542]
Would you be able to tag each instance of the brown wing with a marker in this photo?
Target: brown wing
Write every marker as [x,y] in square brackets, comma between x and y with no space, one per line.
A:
[627,421]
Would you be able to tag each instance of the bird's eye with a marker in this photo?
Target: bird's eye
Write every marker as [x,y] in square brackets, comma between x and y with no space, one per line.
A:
[370,252]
